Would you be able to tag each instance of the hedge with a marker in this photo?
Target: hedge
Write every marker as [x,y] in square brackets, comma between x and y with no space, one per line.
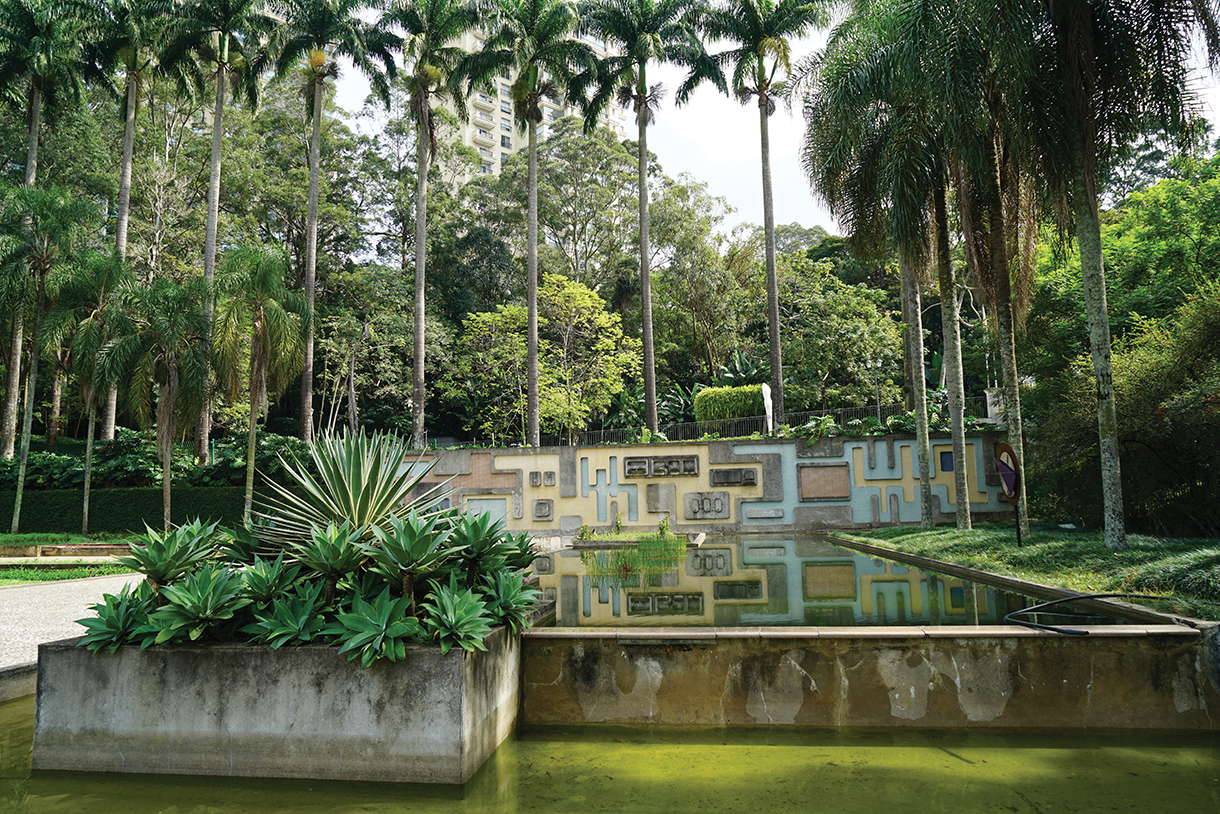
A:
[715,403]
[118,511]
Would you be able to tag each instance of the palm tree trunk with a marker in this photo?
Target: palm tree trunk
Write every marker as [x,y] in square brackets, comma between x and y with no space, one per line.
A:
[311,262]
[129,139]
[166,399]
[1006,328]
[13,392]
[14,368]
[109,412]
[650,368]
[84,514]
[421,237]
[952,364]
[777,366]
[912,315]
[1092,270]
[54,430]
[255,403]
[533,432]
[209,245]
[27,419]
[353,420]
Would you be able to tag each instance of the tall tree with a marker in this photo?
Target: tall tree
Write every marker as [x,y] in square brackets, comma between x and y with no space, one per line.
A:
[1118,63]
[161,351]
[760,30]
[223,38]
[40,59]
[257,317]
[125,35]
[430,27]
[532,38]
[41,228]
[644,32]
[320,31]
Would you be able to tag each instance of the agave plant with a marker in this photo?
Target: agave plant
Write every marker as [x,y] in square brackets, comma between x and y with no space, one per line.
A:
[410,547]
[481,544]
[375,630]
[509,599]
[118,618]
[292,618]
[518,550]
[203,599]
[330,552]
[362,480]
[163,557]
[267,579]
[238,545]
[457,616]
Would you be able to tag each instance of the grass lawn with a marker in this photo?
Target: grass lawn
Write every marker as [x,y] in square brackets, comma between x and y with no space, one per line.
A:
[1185,568]
[24,574]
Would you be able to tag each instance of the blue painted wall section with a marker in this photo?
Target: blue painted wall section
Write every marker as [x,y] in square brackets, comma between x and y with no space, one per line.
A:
[605,485]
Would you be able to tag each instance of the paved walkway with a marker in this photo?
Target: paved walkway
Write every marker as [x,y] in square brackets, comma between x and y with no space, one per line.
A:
[47,611]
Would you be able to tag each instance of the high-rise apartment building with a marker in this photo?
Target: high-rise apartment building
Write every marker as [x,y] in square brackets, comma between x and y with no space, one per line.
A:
[490,128]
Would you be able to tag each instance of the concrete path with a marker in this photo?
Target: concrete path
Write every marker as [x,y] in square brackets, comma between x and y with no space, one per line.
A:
[47,611]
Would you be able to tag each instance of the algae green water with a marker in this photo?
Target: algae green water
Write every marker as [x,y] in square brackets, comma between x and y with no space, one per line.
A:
[648,769]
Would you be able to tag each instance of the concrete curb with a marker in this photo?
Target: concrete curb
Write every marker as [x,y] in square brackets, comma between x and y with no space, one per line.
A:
[18,681]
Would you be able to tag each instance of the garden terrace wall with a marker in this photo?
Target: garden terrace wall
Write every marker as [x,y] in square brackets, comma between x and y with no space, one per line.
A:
[730,485]
[1121,677]
[249,711]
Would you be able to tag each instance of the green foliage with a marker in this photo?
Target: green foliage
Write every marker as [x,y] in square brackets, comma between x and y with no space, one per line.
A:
[481,546]
[410,547]
[202,602]
[164,557]
[267,579]
[716,403]
[237,545]
[457,616]
[362,481]
[294,617]
[509,599]
[818,427]
[118,618]
[330,551]
[375,630]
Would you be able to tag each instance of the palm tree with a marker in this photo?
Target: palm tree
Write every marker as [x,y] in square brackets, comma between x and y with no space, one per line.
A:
[84,318]
[40,59]
[223,36]
[319,31]
[760,30]
[258,317]
[41,228]
[532,38]
[161,344]
[429,28]
[643,32]
[871,156]
[1117,65]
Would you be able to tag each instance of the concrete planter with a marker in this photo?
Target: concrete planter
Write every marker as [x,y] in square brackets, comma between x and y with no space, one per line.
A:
[249,711]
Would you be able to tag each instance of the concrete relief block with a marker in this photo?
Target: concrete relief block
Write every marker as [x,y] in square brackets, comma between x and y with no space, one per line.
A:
[824,481]
[709,562]
[707,505]
[548,478]
[733,477]
[544,565]
[535,479]
[673,466]
[661,497]
[544,509]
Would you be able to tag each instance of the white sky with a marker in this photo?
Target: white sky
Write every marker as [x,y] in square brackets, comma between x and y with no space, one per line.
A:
[716,140]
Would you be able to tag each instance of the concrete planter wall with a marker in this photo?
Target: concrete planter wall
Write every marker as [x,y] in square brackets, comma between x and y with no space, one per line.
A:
[249,711]
[1121,677]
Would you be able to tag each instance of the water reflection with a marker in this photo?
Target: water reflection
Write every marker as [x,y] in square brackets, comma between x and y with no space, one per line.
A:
[747,581]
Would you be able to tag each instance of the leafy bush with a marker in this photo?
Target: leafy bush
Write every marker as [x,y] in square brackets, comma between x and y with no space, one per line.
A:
[378,629]
[118,618]
[714,403]
[457,616]
[163,557]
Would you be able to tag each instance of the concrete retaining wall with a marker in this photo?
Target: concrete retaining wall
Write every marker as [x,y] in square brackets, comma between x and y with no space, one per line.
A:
[17,681]
[1159,677]
[244,710]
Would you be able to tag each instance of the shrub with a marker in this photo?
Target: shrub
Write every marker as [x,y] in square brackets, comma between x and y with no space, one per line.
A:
[715,403]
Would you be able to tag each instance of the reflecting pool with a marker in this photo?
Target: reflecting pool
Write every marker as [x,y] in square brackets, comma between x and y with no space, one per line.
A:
[765,581]
[556,770]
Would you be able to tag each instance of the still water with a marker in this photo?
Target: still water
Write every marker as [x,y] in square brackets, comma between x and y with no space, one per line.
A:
[559,770]
[765,581]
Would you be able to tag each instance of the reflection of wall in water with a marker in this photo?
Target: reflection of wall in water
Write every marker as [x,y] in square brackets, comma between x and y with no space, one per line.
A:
[767,582]
[709,578]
